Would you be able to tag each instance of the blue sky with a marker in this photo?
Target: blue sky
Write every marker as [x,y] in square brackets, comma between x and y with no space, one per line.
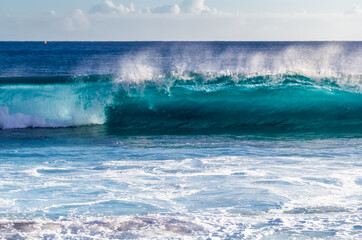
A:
[181,20]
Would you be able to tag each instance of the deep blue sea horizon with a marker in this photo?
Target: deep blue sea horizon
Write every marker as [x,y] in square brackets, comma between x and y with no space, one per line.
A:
[180,140]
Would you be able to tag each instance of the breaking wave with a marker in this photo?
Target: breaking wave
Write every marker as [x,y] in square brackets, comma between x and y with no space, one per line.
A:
[193,86]
[191,100]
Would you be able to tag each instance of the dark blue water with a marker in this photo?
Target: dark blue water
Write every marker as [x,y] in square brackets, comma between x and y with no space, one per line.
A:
[252,140]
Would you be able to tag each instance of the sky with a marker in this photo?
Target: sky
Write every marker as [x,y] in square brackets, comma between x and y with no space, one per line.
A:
[180,20]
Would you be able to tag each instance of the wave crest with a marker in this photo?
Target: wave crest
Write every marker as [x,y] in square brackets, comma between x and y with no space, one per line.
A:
[333,62]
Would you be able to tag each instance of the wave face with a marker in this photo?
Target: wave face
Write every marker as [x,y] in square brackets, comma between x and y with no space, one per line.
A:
[195,101]
[197,87]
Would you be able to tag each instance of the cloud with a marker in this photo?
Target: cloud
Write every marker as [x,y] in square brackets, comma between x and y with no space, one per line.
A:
[187,7]
[355,10]
[194,6]
[109,7]
[77,21]
[171,9]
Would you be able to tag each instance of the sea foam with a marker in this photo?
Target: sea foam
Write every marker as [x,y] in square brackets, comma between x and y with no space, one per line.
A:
[19,120]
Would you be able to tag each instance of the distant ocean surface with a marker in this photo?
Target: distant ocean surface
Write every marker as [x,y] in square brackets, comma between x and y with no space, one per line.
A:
[181,140]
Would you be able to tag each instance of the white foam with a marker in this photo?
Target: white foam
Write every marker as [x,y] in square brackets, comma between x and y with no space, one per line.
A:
[19,120]
[145,227]
[137,69]
[6,203]
[23,106]
[33,172]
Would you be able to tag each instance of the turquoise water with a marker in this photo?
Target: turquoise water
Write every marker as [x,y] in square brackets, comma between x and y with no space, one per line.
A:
[180,141]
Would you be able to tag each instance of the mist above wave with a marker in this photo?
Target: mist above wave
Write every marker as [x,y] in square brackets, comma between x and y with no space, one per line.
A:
[331,61]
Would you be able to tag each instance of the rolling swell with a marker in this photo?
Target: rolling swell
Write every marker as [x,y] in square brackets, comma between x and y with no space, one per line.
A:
[192,101]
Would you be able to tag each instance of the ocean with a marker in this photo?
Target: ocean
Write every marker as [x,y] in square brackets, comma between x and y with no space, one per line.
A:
[180,140]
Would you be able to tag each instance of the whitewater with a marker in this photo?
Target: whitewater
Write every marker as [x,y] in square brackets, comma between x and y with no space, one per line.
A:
[180,140]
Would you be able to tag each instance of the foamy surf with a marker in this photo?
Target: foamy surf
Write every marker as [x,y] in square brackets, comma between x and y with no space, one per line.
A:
[261,189]
[19,120]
